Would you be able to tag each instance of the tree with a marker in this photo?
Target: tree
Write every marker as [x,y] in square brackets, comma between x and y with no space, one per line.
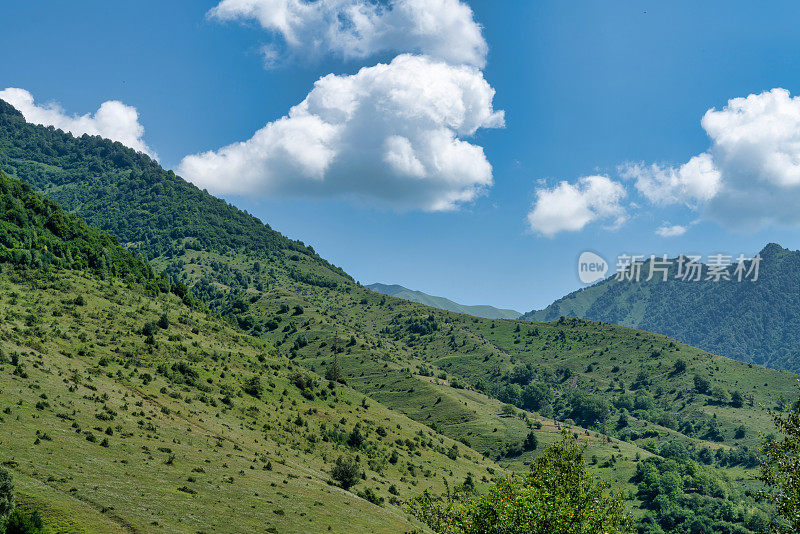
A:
[557,496]
[531,442]
[356,438]
[780,471]
[521,374]
[347,471]
[149,329]
[6,492]
[254,387]
[536,396]
[622,422]
[334,372]
[701,385]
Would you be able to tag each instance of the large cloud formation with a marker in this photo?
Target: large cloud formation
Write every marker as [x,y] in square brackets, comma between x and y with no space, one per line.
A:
[113,120]
[356,29]
[570,207]
[392,132]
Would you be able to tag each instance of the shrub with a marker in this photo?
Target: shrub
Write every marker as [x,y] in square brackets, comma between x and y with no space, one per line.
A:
[346,471]
[254,387]
[355,439]
[149,329]
[371,496]
[21,523]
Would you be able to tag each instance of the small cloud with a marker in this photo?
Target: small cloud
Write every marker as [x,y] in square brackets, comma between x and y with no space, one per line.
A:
[570,207]
[270,56]
[113,120]
[691,183]
[671,230]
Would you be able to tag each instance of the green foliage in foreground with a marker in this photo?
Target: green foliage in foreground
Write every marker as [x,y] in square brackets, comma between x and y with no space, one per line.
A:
[557,496]
[781,470]
[6,492]
[15,521]
[21,523]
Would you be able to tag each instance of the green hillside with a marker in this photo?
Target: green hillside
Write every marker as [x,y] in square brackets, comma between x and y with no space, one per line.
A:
[487,312]
[642,401]
[755,322]
[128,408]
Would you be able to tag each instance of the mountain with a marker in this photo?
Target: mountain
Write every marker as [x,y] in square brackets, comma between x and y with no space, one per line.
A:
[752,321]
[487,312]
[129,407]
[501,388]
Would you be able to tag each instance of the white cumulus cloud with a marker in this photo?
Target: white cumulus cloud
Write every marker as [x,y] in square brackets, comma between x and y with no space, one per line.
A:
[393,133]
[443,29]
[749,177]
[696,181]
[756,147]
[113,120]
[570,207]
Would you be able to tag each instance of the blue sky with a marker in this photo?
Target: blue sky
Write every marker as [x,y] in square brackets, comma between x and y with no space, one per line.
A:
[585,88]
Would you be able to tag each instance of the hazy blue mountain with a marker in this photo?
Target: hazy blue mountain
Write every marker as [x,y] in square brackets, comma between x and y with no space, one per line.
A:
[488,312]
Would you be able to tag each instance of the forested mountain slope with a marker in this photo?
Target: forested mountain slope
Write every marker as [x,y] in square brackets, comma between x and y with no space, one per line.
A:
[495,385]
[487,312]
[756,322]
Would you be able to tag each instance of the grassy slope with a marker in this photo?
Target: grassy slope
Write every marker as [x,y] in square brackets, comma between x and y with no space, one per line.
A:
[219,453]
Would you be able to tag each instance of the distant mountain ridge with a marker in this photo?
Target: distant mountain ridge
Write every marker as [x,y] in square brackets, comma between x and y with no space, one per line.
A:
[485,311]
[755,322]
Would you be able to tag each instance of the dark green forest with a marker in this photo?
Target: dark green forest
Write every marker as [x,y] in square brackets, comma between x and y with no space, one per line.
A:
[36,233]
